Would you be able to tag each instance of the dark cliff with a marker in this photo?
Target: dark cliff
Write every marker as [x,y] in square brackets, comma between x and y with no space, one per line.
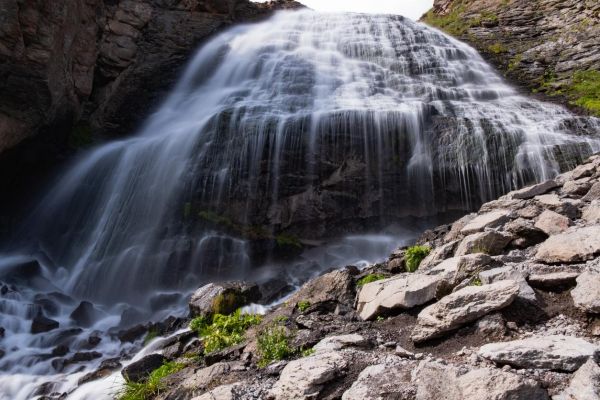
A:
[72,71]
[549,46]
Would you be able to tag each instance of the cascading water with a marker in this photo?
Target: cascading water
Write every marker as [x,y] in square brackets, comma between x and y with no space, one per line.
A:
[306,124]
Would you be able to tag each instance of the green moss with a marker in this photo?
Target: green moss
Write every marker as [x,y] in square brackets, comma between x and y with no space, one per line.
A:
[307,352]
[303,305]
[585,90]
[414,255]
[369,278]
[81,136]
[497,48]
[217,219]
[152,386]
[515,62]
[152,334]
[226,302]
[222,331]
[284,240]
[453,23]
[476,281]
[273,344]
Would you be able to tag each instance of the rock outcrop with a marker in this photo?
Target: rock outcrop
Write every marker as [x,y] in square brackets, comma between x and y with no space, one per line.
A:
[546,45]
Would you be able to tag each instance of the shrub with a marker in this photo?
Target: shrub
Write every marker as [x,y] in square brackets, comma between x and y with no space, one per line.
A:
[223,331]
[303,305]
[273,345]
[414,255]
[369,278]
[307,352]
[152,386]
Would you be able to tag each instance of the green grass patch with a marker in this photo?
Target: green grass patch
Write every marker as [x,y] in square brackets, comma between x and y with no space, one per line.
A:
[497,48]
[369,278]
[273,344]
[307,352]
[152,386]
[151,335]
[303,305]
[414,255]
[222,331]
[452,23]
[585,90]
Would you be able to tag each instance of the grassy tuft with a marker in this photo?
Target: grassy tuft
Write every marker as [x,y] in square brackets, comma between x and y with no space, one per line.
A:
[497,48]
[452,23]
[369,278]
[585,90]
[303,305]
[414,255]
[274,345]
[222,331]
[152,386]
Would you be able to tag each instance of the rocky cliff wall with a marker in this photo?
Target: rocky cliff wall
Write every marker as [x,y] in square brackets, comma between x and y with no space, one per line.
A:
[549,46]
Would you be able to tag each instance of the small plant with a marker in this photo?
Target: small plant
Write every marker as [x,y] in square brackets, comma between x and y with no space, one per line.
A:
[414,255]
[303,305]
[151,335]
[497,48]
[476,281]
[369,278]
[273,345]
[152,386]
[223,331]
[585,90]
[307,352]
[380,318]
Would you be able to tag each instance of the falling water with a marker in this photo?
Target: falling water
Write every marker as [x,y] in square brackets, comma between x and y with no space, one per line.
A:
[307,124]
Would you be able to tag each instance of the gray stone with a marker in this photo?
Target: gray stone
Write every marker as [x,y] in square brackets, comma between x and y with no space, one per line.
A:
[555,280]
[382,381]
[556,352]
[507,272]
[584,385]
[586,294]
[552,223]
[534,190]
[491,219]
[461,307]
[591,213]
[400,292]
[225,392]
[222,298]
[575,245]
[139,370]
[490,242]
[306,377]
[593,193]
[333,343]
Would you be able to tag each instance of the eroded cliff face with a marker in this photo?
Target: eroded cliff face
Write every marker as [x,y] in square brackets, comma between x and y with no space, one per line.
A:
[72,70]
[550,46]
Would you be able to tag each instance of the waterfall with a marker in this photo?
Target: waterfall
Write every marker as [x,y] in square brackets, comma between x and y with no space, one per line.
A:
[307,125]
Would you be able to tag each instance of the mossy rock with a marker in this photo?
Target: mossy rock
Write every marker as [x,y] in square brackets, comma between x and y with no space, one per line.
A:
[222,298]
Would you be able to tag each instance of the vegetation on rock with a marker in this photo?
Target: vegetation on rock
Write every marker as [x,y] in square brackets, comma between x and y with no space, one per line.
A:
[414,255]
[152,386]
[369,278]
[222,331]
[273,345]
[303,305]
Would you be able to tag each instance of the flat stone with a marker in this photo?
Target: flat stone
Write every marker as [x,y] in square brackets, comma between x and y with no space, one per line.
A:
[550,200]
[508,273]
[532,191]
[461,307]
[584,385]
[340,342]
[577,188]
[305,378]
[382,381]
[225,392]
[556,352]
[586,294]
[491,220]
[593,193]
[456,269]
[490,242]
[555,280]
[438,255]
[575,245]
[552,223]
[400,292]
[582,171]
[436,381]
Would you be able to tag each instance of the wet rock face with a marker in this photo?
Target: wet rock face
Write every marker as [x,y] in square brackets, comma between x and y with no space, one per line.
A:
[533,42]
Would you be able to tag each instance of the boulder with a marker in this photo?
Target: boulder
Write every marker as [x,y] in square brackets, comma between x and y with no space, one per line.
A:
[382,381]
[527,234]
[222,298]
[506,273]
[438,255]
[593,193]
[575,245]
[582,171]
[336,286]
[489,242]
[86,314]
[555,352]
[461,307]
[305,378]
[586,294]
[437,381]
[41,324]
[399,292]
[139,371]
[534,190]
[584,385]
[552,223]
[333,343]
[591,213]
[491,219]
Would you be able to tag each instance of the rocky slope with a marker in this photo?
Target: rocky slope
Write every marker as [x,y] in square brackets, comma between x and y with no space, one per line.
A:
[505,306]
[71,70]
[552,46]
